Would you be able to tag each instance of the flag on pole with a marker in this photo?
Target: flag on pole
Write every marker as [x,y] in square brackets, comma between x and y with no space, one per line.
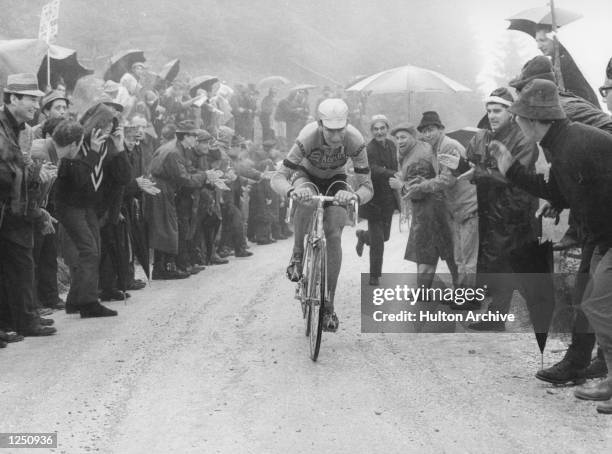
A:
[48,21]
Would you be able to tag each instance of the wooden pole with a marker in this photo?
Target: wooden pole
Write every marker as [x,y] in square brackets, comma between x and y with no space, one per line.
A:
[556,56]
[48,67]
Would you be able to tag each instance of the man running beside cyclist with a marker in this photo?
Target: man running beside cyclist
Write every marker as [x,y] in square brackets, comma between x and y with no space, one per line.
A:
[318,160]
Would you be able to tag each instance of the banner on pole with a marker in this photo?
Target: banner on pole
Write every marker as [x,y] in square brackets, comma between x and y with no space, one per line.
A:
[49,21]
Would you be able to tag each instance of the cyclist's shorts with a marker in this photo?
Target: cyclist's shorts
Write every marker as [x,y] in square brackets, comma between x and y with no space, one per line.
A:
[327,184]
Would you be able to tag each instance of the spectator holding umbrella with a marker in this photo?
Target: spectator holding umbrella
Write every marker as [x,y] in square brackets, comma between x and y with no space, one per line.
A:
[581,179]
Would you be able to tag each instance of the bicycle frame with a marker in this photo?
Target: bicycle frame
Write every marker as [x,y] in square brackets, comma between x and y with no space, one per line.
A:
[312,289]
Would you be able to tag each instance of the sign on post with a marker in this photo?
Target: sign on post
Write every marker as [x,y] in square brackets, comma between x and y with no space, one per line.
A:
[48,21]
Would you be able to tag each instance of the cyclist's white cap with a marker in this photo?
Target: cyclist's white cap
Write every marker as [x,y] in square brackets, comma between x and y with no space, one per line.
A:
[333,113]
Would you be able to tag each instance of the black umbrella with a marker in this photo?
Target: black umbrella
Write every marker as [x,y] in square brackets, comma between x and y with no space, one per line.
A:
[463,135]
[203,82]
[140,237]
[170,70]
[64,65]
[26,55]
[122,62]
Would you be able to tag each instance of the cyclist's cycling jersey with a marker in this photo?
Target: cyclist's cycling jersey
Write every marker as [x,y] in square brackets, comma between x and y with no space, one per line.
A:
[311,159]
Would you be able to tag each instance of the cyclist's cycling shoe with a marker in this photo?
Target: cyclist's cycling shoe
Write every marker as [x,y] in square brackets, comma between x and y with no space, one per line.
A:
[294,270]
[330,322]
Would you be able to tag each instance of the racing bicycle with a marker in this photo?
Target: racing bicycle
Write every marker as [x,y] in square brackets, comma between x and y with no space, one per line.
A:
[312,290]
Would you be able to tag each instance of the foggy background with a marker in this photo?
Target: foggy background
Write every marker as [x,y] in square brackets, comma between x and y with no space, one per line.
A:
[323,42]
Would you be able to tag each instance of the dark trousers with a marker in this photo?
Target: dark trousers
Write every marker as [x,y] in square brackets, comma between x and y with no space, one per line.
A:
[209,229]
[184,205]
[266,127]
[45,269]
[583,339]
[114,251]
[16,286]
[83,230]
[232,227]
[379,230]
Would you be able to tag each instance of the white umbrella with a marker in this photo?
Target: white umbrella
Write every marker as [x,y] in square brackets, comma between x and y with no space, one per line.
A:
[407,79]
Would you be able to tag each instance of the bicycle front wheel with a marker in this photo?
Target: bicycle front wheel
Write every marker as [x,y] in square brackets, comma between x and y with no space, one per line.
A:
[317,287]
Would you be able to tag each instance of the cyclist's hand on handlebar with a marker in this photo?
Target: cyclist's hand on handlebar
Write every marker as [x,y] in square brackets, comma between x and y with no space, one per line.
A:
[302,194]
[344,197]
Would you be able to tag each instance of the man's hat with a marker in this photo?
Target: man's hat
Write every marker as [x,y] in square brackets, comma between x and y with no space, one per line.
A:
[408,127]
[237,140]
[376,118]
[48,99]
[186,127]
[23,84]
[333,113]
[500,96]
[106,99]
[539,67]
[204,136]
[138,64]
[110,86]
[270,143]
[430,118]
[609,70]
[539,100]
[224,135]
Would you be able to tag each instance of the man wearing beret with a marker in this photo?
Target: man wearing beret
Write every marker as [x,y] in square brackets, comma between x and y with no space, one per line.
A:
[19,180]
[581,179]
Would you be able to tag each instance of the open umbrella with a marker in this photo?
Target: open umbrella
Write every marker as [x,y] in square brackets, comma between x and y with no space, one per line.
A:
[526,21]
[463,135]
[569,75]
[30,55]
[303,87]
[407,79]
[170,70]
[272,81]
[203,82]
[121,63]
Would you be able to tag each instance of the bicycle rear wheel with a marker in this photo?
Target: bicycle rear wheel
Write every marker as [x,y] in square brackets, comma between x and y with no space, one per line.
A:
[316,295]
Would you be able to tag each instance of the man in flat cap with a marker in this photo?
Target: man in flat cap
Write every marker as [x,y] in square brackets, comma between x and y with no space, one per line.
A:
[581,179]
[169,172]
[19,215]
[53,105]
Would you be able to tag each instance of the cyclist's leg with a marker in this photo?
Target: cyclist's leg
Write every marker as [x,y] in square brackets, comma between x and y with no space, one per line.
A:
[334,221]
[301,224]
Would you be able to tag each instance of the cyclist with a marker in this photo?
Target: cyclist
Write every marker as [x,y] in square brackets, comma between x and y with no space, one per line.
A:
[319,158]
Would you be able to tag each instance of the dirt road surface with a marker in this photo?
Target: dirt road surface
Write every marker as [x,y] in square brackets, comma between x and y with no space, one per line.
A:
[218,363]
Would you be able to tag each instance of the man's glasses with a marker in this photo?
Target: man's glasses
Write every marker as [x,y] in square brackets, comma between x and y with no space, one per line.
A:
[603,91]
